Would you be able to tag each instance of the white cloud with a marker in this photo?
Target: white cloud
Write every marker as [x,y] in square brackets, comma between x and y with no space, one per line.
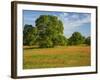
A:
[74,21]
[65,14]
[75,16]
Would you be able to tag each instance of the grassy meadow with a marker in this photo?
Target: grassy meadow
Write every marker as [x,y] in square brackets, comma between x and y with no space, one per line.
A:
[68,56]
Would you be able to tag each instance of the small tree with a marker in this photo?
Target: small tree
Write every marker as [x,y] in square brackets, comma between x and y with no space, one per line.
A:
[29,35]
[88,40]
[76,39]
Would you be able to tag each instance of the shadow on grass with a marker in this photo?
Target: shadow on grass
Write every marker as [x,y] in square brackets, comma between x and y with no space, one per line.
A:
[36,47]
[31,48]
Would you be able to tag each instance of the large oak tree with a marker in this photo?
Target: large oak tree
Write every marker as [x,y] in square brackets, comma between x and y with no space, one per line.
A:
[50,31]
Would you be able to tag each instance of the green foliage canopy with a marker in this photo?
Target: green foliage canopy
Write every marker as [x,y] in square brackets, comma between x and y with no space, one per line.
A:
[88,40]
[76,39]
[29,35]
[50,31]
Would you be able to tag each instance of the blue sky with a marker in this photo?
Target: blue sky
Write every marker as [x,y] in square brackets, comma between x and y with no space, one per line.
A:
[72,21]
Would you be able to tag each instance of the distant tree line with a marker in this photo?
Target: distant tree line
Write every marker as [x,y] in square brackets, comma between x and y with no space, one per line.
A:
[48,32]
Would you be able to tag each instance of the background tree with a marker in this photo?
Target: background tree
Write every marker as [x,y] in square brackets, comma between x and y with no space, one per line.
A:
[29,35]
[50,31]
[88,40]
[76,39]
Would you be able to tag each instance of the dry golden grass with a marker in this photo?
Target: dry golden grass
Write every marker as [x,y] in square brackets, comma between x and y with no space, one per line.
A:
[70,56]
